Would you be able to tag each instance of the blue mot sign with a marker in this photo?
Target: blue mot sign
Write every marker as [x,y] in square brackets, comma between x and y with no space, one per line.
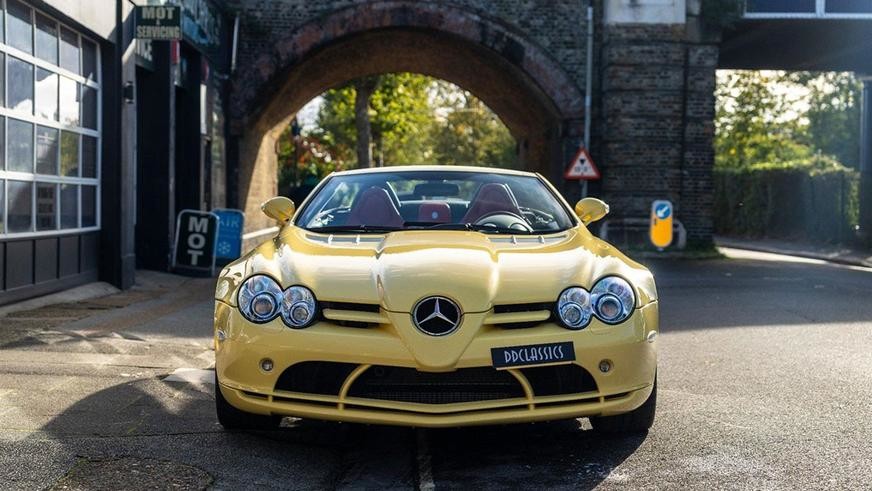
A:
[229,241]
[196,237]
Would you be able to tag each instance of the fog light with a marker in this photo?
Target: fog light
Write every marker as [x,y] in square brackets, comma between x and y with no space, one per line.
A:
[605,366]
[266,365]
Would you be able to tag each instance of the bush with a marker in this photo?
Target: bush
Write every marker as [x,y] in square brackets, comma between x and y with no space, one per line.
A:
[814,200]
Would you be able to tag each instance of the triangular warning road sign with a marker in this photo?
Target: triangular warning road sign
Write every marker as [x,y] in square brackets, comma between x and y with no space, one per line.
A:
[582,167]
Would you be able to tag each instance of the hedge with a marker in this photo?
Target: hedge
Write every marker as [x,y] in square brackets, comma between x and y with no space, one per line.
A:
[813,200]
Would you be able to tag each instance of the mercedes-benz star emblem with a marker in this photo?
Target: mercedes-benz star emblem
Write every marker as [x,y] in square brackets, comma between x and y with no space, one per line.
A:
[436,316]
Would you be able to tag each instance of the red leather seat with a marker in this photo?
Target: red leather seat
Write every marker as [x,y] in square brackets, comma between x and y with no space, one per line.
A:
[434,211]
[491,198]
[374,207]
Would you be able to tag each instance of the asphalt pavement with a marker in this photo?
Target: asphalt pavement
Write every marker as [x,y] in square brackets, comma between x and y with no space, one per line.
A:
[764,382]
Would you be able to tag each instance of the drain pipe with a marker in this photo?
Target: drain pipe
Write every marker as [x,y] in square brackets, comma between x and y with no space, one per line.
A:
[588,80]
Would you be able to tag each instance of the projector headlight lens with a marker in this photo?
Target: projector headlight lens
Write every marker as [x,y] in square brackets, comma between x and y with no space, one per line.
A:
[574,308]
[298,307]
[613,299]
[259,298]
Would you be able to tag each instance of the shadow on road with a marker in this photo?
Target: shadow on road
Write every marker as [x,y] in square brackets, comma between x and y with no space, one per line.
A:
[155,425]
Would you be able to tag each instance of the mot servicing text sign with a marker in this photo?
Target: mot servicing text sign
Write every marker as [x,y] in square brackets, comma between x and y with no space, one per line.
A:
[158,22]
[196,237]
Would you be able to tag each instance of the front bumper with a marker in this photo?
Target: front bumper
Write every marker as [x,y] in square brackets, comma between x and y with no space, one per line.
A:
[245,386]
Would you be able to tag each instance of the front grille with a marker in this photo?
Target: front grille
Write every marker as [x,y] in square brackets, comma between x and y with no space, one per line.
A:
[315,377]
[359,307]
[522,307]
[559,380]
[410,385]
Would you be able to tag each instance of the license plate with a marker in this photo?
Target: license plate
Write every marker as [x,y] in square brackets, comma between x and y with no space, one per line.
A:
[533,354]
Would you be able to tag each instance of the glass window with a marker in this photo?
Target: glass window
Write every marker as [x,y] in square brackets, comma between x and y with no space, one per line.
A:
[89,107]
[2,204]
[782,6]
[20,213]
[46,150]
[46,206]
[20,35]
[46,39]
[70,50]
[89,206]
[89,60]
[20,146]
[69,154]
[2,77]
[46,94]
[20,85]
[2,144]
[2,38]
[69,206]
[69,95]
[89,156]
[849,7]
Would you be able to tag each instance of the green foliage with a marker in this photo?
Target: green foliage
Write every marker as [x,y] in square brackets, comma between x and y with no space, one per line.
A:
[414,119]
[469,133]
[751,124]
[814,200]
[833,113]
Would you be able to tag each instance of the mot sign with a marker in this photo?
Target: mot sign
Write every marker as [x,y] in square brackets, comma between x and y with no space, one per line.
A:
[158,22]
[196,233]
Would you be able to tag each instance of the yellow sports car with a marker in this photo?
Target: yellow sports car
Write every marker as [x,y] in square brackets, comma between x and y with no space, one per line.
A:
[436,296]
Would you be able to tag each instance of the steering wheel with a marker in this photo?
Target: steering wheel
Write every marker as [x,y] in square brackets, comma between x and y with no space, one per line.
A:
[504,219]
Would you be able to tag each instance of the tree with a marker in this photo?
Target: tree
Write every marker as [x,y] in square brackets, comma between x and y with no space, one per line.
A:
[363,88]
[833,113]
[755,122]
[413,119]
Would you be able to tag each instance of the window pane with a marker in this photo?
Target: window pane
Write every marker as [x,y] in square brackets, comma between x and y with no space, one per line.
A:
[20,146]
[782,6]
[69,154]
[46,150]
[20,33]
[2,38]
[89,107]
[46,39]
[20,85]
[89,60]
[2,143]
[20,206]
[46,206]
[69,206]
[2,203]
[89,206]
[46,94]
[69,101]
[849,6]
[89,156]
[2,77]
[69,50]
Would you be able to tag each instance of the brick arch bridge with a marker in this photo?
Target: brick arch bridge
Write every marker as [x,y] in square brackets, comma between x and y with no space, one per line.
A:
[652,98]
[531,91]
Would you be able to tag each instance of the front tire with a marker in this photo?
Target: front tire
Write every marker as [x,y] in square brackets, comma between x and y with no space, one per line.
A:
[638,420]
[235,419]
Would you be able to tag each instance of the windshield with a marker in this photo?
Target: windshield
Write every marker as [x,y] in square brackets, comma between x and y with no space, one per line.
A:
[381,202]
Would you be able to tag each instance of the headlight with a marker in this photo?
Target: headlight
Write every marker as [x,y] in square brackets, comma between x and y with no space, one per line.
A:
[613,299]
[298,307]
[574,308]
[259,299]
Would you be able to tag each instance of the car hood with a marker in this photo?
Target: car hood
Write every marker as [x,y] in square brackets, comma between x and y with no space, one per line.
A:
[398,269]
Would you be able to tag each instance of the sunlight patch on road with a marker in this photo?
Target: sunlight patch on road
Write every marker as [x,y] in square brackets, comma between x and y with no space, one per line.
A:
[194,376]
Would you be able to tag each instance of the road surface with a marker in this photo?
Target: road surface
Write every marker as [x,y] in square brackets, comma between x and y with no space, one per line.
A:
[765,383]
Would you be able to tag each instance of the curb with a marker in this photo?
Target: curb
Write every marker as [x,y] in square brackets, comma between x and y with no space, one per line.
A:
[847,261]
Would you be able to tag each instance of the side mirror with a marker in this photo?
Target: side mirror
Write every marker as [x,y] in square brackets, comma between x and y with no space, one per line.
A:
[279,208]
[590,210]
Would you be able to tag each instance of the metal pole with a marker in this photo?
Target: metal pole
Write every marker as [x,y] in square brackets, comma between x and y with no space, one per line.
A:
[588,80]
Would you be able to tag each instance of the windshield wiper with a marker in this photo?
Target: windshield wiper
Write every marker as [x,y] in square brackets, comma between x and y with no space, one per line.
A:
[478,228]
[355,229]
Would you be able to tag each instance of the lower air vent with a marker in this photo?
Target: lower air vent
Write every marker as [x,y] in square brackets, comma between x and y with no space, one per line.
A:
[410,385]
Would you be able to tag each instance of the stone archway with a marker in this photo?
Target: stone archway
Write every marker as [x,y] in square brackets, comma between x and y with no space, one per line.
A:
[539,103]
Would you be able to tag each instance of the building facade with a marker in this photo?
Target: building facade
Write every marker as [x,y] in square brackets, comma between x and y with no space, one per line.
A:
[103,139]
